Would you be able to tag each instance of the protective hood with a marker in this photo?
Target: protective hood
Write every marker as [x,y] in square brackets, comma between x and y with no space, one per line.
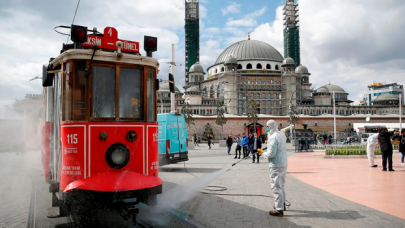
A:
[272,125]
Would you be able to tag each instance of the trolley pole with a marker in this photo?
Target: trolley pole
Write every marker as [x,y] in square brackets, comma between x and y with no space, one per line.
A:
[172,95]
[334,117]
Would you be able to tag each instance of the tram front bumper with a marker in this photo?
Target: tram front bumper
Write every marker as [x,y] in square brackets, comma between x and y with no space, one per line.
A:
[116,181]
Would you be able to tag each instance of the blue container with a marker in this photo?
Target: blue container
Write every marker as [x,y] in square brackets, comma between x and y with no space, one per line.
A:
[172,138]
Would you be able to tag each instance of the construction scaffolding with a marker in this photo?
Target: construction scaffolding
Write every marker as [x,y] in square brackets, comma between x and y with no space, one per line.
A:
[192,35]
[291,32]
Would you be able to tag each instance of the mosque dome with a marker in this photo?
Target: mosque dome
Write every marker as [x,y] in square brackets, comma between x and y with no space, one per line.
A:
[288,61]
[165,87]
[329,88]
[193,89]
[231,60]
[250,50]
[386,97]
[301,69]
[196,68]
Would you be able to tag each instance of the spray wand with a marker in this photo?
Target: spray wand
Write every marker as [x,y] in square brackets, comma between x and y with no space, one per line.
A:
[259,152]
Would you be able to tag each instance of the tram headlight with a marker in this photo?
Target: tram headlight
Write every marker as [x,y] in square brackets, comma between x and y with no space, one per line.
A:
[117,156]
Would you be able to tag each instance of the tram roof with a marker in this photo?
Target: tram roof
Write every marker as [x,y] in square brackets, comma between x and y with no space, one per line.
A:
[103,56]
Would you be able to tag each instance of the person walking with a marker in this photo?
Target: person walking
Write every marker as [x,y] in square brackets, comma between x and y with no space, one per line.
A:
[402,145]
[209,141]
[238,146]
[315,136]
[195,140]
[229,142]
[371,144]
[245,143]
[330,139]
[277,156]
[325,137]
[384,137]
[256,144]
[318,135]
[250,145]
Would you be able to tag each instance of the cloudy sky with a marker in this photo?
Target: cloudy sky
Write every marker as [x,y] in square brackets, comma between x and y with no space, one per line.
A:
[352,43]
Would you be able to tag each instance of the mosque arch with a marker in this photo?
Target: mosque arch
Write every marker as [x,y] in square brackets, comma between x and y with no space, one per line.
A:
[259,66]
[222,69]
[276,67]
[268,67]
[239,67]
[249,66]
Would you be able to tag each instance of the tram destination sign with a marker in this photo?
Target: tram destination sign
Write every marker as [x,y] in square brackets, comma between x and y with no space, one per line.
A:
[108,41]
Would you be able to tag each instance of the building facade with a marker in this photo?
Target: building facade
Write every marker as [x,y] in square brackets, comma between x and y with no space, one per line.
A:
[377,89]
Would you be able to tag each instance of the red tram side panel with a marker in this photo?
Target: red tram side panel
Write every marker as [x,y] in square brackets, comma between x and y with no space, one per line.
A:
[84,164]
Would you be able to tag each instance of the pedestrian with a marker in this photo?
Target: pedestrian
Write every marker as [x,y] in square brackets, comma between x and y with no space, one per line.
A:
[318,138]
[315,136]
[209,141]
[238,146]
[330,139]
[386,148]
[277,156]
[348,140]
[229,142]
[402,145]
[245,143]
[195,140]
[256,144]
[325,137]
[371,144]
[250,145]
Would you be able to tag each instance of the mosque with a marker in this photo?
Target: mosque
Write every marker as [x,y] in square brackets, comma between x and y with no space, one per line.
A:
[253,74]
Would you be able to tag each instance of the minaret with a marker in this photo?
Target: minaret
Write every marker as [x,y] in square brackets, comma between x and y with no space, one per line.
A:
[192,32]
[291,32]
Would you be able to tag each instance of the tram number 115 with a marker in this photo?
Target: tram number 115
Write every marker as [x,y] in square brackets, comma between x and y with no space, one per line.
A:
[72,139]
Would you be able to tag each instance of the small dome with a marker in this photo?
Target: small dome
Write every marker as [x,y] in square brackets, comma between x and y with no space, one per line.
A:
[165,87]
[301,69]
[288,61]
[386,97]
[196,68]
[193,89]
[322,90]
[330,88]
[231,60]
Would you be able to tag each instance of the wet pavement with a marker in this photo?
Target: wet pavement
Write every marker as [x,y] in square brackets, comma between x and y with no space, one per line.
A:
[241,196]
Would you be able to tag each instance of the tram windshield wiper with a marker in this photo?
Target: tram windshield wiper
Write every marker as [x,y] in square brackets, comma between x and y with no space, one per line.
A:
[88,71]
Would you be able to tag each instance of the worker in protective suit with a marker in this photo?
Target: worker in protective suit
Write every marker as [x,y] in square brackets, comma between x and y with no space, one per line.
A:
[372,141]
[277,156]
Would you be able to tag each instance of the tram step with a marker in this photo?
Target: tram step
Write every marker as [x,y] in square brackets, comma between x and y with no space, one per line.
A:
[52,212]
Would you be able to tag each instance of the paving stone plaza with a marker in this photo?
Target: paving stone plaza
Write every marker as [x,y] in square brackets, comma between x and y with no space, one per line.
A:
[245,198]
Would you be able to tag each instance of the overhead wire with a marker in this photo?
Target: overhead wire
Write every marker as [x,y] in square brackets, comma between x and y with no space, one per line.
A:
[73,19]
[18,84]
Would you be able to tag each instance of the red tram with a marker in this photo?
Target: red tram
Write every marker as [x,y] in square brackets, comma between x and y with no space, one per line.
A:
[100,137]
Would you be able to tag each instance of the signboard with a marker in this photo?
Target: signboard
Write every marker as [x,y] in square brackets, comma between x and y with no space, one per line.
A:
[109,40]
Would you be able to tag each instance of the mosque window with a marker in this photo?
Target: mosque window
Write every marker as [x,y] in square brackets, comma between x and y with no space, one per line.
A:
[259,66]
[263,103]
[276,67]
[249,66]
[252,96]
[268,67]
[239,67]
[222,69]
[275,103]
[216,70]
[260,81]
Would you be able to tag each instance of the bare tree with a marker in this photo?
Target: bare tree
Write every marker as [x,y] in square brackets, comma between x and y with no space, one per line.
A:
[188,115]
[252,115]
[221,120]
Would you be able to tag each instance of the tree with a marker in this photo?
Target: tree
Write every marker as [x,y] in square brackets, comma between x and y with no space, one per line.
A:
[188,114]
[293,115]
[252,115]
[221,120]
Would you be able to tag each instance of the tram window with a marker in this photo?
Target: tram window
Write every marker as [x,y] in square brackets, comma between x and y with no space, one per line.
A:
[79,92]
[103,92]
[130,101]
[151,96]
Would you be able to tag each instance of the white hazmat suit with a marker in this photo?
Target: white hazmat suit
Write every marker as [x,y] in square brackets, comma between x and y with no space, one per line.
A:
[372,141]
[277,156]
